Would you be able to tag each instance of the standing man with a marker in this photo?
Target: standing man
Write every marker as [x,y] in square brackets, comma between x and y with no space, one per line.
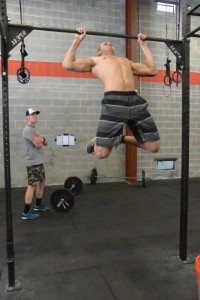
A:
[121,104]
[34,160]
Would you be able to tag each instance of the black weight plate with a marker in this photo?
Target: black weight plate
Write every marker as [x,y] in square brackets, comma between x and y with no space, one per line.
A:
[74,184]
[62,200]
[93,176]
[143,178]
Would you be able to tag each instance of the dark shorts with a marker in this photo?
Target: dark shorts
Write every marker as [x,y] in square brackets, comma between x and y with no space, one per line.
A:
[119,108]
[36,174]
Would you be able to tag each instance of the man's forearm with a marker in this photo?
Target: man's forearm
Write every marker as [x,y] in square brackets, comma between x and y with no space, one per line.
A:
[38,140]
[70,56]
[148,58]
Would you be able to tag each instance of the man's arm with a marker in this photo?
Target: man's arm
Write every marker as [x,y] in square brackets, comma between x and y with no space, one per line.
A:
[149,67]
[35,138]
[70,62]
[39,141]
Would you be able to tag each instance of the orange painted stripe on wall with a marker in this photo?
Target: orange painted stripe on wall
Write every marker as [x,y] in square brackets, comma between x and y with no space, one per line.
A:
[49,69]
[54,69]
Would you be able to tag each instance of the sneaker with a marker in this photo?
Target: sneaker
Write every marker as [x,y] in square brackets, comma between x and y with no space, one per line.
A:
[41,208]
[90,146]
[30,216]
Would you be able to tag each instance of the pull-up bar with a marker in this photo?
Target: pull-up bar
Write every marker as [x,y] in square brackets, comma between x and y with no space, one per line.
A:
[96,33]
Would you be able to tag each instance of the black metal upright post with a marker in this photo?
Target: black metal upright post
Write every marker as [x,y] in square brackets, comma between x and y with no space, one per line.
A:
[186,24]
[7,175]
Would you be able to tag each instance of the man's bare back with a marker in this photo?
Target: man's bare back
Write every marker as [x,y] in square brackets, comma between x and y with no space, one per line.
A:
[115,73]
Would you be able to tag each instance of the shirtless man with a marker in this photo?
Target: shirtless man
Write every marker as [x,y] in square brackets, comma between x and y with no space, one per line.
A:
[121,104]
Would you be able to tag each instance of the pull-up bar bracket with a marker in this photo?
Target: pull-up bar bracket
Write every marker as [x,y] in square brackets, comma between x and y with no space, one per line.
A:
[177,50]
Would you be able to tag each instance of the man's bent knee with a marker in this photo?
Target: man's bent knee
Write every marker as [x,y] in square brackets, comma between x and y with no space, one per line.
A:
[102,152]
[155,149]
[152,147]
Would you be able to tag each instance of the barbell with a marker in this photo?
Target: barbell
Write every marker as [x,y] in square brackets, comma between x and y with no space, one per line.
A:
[94,176]
[62,200]
[74,184]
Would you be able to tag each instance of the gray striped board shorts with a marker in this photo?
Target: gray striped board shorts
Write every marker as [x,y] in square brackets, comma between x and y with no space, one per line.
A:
[119,108]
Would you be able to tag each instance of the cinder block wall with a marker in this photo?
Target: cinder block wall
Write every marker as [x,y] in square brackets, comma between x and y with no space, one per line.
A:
[67,105]
[165,104]
[72,105]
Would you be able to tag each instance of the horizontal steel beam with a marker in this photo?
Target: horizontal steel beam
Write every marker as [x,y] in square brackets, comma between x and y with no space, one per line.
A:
[191,33]
[107,34]
[196,14]
[190,12]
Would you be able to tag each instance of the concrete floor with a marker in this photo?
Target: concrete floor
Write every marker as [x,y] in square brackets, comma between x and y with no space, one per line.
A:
[119,241]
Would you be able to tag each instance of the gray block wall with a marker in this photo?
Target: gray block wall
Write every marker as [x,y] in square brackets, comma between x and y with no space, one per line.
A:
[165,104]
[72,105]
[67,105]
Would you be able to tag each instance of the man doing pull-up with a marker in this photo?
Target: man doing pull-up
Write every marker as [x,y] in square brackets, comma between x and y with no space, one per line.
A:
[121,104]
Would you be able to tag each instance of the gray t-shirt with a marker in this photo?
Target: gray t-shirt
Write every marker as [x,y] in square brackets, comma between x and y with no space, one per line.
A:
[33,155]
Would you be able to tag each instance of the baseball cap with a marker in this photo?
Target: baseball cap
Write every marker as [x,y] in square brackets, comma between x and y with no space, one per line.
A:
[31,111]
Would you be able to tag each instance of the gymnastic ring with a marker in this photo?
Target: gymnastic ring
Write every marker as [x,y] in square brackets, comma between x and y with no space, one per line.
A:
[23,75]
